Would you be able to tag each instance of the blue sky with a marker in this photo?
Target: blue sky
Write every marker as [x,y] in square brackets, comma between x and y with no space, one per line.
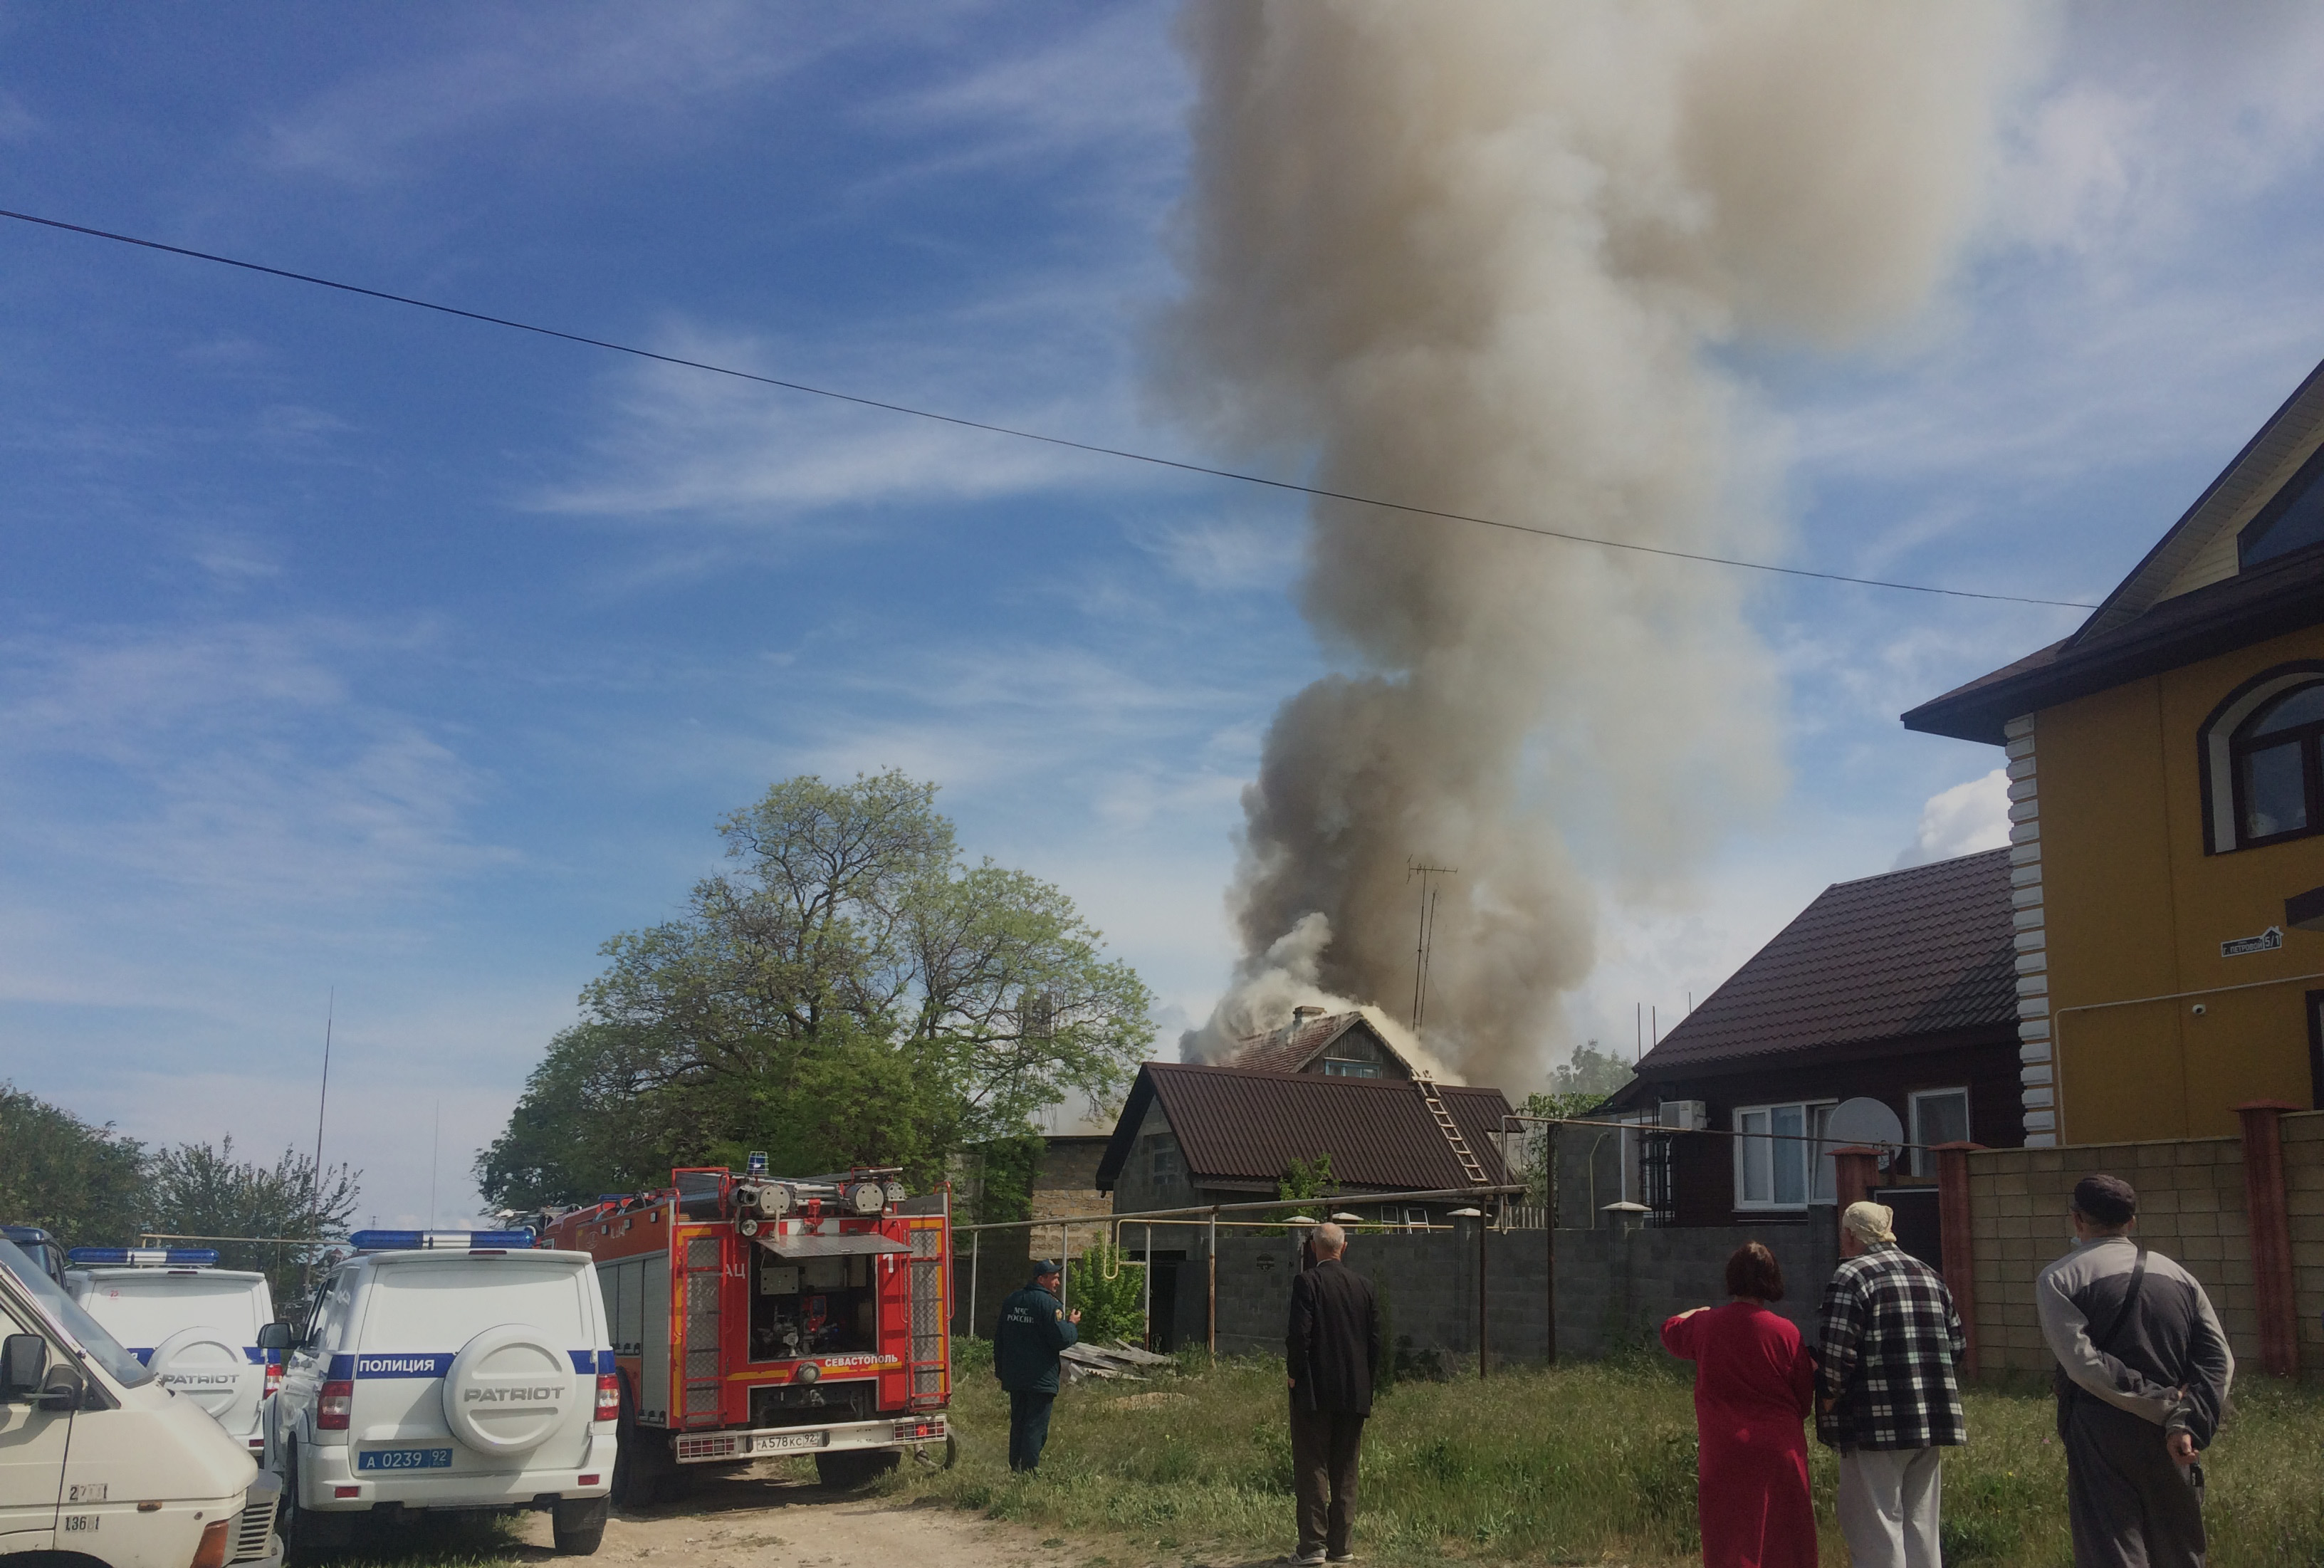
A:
[346,647]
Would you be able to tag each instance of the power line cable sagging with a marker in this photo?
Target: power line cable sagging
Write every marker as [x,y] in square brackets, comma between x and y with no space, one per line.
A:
[1408,509]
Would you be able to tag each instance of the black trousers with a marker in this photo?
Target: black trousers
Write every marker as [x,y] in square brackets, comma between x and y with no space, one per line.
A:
[2130,1507]
[1029,1428]
[1324,1447]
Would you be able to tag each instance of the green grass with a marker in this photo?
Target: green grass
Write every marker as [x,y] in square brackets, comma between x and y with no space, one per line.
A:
[1582,1464]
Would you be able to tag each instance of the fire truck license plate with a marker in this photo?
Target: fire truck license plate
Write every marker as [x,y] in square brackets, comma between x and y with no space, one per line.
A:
[776,1442]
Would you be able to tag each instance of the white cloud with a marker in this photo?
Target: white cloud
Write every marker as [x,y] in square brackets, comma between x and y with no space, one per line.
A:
[221,780]
[17,123]
[1961,820]
[514,69]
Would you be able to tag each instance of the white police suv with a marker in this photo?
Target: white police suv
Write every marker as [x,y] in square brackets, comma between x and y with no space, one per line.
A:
[194,1324]
[447,1371]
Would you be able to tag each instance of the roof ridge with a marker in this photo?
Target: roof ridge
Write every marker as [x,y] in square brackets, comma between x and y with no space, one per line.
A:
[1908,870]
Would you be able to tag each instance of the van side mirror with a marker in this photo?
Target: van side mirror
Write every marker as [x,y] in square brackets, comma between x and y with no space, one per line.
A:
[63,1387]
[274,1336]
[24,1362]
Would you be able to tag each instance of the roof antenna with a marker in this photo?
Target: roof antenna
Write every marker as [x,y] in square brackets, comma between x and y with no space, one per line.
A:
[323,1098]
[1429,894]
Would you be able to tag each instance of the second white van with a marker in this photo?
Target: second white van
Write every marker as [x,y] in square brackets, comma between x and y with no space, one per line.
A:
[196,1326]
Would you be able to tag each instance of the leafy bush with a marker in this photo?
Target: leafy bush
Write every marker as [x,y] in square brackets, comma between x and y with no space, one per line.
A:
[1111,1308]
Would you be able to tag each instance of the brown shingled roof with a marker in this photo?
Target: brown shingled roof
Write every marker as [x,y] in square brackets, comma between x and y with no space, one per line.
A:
[1923,951]
[1292,1048]
[1235,1126]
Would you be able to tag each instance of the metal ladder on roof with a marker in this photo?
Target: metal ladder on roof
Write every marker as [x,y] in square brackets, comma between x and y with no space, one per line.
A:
[1450,1129]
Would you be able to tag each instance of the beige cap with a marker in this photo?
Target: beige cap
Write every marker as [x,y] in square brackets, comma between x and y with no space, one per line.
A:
[1869,1221]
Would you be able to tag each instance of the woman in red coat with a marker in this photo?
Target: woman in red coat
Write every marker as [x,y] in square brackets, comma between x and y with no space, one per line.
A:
[1754,1384]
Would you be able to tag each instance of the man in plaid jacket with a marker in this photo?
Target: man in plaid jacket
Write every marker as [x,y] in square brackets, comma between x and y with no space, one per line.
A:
[1886,1397]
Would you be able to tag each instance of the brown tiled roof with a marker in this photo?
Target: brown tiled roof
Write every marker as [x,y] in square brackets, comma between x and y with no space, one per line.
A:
[1923,951]
[1290,1048]
[1235,1125]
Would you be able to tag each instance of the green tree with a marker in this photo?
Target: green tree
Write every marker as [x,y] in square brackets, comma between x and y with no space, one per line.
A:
[1000,1173]
[1307,1178]
[79,1182]
[198,1190]
[1577,1087]
[1111,1308]
[849,991]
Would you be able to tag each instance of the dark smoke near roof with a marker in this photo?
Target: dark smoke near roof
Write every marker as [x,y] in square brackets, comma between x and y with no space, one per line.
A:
[1481,255]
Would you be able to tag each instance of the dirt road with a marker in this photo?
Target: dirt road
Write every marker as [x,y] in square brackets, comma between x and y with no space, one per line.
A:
[767,1517]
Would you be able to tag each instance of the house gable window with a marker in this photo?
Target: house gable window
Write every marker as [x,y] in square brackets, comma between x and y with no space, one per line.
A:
[2293,521]
[1939,1116]
[1339,1068]
[2262,756]
[1164,1166]
[1779,1161]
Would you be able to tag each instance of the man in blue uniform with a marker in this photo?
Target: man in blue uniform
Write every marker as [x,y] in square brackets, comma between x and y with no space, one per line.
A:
[1034,1327]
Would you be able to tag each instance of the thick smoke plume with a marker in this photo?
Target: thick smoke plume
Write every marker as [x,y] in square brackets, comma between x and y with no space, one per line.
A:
[1480,257]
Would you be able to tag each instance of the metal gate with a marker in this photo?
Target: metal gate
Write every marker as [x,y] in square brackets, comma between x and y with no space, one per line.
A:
[705,1277]
[1658,1165]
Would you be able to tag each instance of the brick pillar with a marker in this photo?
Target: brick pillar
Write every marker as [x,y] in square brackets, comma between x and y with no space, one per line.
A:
[1855,1172]
[2271,1236]
[1953,1230]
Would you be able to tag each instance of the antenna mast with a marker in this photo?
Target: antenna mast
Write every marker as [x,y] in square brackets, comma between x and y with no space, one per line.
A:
[330,1016]
[1426,944]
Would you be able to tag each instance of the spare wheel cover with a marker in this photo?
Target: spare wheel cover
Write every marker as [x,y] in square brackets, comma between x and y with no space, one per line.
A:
[509,1390]
[207,1365]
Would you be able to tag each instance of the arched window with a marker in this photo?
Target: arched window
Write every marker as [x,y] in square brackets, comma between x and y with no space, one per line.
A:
[2262,757]
[2276,768]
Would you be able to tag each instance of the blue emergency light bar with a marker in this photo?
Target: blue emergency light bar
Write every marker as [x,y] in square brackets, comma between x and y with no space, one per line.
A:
[439,1241]
[144,1257]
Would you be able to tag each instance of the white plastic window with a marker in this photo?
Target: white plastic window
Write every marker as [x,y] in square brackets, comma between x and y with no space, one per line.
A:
[1779,1159]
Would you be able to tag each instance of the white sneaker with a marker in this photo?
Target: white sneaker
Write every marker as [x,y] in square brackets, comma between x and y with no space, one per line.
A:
[1301,1559]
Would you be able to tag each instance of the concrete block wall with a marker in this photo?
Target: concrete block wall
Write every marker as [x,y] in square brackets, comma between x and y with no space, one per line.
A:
[1613,1288]
[1427,1283]
[2191,1208]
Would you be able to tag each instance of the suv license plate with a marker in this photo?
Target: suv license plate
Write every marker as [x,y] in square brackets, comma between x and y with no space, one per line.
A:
[404,1459]
[781,1442]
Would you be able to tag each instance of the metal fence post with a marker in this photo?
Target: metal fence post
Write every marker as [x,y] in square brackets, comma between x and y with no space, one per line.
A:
[1483,1230]
[975,1251]
[1215,1285]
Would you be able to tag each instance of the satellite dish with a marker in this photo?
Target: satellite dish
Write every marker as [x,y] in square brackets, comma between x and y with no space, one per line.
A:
[1861,1121]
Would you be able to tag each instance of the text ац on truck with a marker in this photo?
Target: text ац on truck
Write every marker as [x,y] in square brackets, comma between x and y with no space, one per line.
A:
[755,1315]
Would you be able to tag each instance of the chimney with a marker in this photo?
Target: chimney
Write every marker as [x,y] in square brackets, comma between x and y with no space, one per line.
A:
[1301,1017]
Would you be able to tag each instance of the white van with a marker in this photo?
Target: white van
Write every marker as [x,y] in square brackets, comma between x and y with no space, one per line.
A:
[449,1370]
[97,1459]
[193,1324]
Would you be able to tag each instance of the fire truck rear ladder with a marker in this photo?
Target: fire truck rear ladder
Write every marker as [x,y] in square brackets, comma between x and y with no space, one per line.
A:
[1450,1129]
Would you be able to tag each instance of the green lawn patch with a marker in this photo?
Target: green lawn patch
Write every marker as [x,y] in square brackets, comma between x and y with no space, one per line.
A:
[1584,1463]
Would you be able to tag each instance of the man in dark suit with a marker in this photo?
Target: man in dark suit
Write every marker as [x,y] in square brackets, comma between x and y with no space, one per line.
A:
[1034,1327]
[1332,1353]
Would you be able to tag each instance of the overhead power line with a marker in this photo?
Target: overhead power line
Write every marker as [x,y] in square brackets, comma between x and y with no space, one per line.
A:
[1121,453]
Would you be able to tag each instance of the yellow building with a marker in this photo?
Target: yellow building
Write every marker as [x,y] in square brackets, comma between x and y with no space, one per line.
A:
[2167,804]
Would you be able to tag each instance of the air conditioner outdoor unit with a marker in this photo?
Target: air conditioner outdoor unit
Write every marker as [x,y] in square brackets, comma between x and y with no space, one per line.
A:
[1685,1115]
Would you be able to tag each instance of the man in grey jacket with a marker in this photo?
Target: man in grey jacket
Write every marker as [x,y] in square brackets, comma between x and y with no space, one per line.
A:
[2143,1377]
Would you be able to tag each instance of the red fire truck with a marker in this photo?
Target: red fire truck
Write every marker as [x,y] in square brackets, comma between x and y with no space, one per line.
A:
[755,1315]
